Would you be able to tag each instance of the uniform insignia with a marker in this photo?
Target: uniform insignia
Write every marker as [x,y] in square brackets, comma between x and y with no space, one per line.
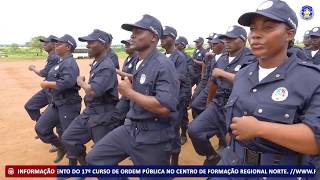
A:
[142,78]
[92,74]
[199,54]
[280,94]
[306,12]
[237,68]
[130,65]
[230,29]
[56,68]
[265,5]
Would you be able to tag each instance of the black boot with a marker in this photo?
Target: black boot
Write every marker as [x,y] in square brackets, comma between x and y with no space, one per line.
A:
[82,160]
[212,160]
[61,152]
[174,159]
[53,149]
[72,162]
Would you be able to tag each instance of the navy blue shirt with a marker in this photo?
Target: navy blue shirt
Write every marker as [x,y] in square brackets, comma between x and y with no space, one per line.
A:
[244,58]
[188,89]
[103,81]
[114,57]
[52,60]
[65,75]
[180,64]
[315,59]
[129,63]
[198,54]
[300,53]
[285,96]
[156,76]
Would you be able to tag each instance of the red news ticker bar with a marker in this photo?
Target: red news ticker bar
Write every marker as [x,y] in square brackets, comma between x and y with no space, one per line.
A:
[31,171]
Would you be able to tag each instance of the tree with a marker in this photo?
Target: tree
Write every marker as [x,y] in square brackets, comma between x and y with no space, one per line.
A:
[36,44]
[14,48]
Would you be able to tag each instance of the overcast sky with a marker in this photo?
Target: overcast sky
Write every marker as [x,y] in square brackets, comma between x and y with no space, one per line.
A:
[23,19]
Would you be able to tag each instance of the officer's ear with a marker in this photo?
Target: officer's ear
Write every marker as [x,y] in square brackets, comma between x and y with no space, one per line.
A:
[290,34]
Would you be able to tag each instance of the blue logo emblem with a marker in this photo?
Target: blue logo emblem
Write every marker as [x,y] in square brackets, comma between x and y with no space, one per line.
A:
[306,12]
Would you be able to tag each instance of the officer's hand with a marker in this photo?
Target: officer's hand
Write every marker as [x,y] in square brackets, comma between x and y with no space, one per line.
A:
[245,127]
[209,54]
[125,87]
[217,72]
[32,67]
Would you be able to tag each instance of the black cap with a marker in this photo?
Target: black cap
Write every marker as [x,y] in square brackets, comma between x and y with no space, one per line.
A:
[210,36]
[97,35]
[199,40]
[67,39]
[48,39]
[169,31]
[315,31]
[306,34]
[147,22]
[182,40]
[274,9]
[235,32]
[215,39]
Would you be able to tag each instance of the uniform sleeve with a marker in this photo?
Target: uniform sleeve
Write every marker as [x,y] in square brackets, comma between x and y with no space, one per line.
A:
[51,61]
[68,77]
[312,114]
[182,69]
[103,80]
[115,60]
[167,86]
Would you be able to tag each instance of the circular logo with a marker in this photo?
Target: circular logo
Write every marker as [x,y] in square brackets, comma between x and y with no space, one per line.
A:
[280,94]
[315,29]
[306,12]
[143,78]
[57,67]
[265,5]
[237,68]
[10,171]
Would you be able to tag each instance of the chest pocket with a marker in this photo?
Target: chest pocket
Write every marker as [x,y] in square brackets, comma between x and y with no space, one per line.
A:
[144,83]
[276,113]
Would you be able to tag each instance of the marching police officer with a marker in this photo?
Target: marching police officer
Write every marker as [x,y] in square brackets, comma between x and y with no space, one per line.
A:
[307,40]
[123,106]
[100,99]
[313,53]
[147,132]
[41,98]
[199,102]
[168,43]
[181,43]
[273,111]
[212,121]
[197,57]
[61,83]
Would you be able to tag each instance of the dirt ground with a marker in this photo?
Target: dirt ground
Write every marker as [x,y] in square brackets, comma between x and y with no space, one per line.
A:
[18,146]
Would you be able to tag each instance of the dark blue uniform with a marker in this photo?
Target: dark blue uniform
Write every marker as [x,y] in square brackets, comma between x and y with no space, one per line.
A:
[114,57]
[41,99]
[123,106]
[281,97]
[212,121]
[65,104]
[95,121]
[181,66]
[145,136]
[198,54]
[314,59]
[201,94]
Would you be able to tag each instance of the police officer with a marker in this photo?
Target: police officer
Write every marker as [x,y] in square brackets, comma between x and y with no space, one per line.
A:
[217,47]
[181,43]
[197,57]
[273,111]
[147,133]
[168,43]
[41,98]
[307,40]
[313,53]
[100,99]
[212,121]
[123,106]
[61,83]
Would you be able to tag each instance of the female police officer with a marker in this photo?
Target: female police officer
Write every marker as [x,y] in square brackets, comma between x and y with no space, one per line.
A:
[273,111]
[61,84]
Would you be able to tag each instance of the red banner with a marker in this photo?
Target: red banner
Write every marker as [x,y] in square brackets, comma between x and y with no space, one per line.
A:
[31,171]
